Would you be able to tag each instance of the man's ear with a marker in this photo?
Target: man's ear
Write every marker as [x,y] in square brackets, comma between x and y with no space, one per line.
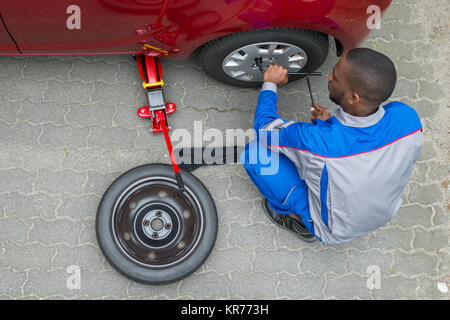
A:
[354,99]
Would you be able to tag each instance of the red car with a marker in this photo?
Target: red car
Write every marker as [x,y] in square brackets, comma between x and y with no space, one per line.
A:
[228,34]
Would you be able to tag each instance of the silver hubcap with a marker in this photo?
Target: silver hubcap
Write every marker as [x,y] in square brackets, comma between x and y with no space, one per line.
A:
[157,224]
[241,64]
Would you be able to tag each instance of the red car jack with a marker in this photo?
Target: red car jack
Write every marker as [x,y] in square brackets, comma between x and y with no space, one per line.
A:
[157,109]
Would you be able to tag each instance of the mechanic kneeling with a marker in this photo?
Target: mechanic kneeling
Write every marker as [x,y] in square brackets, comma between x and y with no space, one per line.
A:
[342,175]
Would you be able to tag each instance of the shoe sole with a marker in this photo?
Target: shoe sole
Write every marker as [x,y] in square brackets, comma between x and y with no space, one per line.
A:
[309,240]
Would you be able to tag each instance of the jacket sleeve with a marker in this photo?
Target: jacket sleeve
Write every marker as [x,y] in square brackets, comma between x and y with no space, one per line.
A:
[286,137]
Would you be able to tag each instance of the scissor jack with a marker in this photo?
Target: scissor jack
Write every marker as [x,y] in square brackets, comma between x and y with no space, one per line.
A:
[157,109]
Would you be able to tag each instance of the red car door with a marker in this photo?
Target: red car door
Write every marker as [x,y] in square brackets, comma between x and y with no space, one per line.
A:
[7,45]
[110,26]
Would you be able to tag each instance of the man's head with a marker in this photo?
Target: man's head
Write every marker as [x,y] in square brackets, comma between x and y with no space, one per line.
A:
[361,80]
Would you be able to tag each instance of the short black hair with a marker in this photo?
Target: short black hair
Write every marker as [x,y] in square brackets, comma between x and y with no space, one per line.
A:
[374,75]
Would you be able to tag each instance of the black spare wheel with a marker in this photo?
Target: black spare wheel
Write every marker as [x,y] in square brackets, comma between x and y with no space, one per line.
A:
[151,232]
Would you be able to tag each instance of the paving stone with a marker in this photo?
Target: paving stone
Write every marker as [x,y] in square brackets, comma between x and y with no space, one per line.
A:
[414,70]
[350,287]
[88,159]
[53,232]
[19,133]
[86,257]
[430,90]
[396,288]
[425,108]
[302,286]
[420,172]
[11,283]
[409,34]
[208,285]
[256,285]
[90,115]
[440,217]
[21,258]
[324,261]
[9,110]
[425,195]
[78,207]
[235,211]
[439,172]
[14,229]
[103,284]
[47,69]
[428,290]
[98,182]
[16,180]
[60,182]
[362,262]
[46,284]
[13,89]
[205,98]
[93,71]
[395,49]
[31,158]
[229,260]
[428,151]
[269,261]
[42,112]
[109,138]
[431,240]
[114,93]
[251,236]
[11,67]
[405,88]
[413,216]
[413,264]
[391,238]
[142,291]
[241,190]
[37,205]
[87,235]
[68,92]
[63,136]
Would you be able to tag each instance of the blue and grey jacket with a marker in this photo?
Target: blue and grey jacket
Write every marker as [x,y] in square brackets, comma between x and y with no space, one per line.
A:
[355,167]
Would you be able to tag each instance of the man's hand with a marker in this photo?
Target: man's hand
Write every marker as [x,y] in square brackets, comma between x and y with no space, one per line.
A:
[276,74]
[319,112]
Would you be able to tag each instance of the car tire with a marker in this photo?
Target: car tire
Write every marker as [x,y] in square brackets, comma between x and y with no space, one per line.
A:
[127,228]
[213,54]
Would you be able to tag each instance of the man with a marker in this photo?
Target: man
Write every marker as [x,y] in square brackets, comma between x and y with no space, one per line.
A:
[342,175]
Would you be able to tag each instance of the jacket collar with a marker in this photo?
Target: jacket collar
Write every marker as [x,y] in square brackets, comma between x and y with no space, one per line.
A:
[353,121]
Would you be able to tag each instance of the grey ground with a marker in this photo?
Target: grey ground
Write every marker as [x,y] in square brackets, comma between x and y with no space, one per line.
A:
[69,128]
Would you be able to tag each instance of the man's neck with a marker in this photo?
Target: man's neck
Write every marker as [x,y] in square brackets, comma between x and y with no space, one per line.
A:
[364,111]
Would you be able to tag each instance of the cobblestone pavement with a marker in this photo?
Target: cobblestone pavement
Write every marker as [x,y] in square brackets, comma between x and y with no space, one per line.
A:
[69,128]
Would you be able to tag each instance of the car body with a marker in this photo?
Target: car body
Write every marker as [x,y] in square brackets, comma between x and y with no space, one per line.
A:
[169,27]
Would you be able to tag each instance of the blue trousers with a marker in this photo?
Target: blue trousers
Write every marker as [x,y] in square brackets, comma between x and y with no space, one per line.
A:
[277,179]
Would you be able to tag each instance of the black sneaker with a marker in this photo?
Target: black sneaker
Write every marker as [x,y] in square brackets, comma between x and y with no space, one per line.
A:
[288,223]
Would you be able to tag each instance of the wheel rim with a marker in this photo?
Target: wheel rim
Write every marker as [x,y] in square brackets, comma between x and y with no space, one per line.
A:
[241,64]
[156,226]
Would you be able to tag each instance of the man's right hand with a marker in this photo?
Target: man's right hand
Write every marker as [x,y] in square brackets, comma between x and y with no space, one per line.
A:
[319,112]
[276,74]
